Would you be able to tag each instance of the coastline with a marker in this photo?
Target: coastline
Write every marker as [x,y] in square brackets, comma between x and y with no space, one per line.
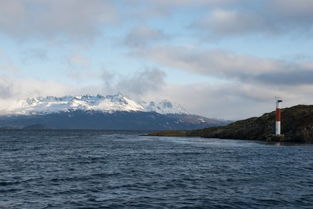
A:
[297,126]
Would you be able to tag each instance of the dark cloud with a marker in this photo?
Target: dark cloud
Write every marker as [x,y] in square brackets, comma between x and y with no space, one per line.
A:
[174,4]
[83,20]
[268,17]
[231,66]
[290,78]
[75,19]
[164,8]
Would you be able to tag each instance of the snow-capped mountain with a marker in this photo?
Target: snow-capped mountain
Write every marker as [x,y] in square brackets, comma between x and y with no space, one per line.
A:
[112,112]
[108,104]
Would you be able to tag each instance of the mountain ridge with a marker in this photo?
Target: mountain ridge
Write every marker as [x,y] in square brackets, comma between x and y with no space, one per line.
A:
[111,112]
[119,120]
[108,103]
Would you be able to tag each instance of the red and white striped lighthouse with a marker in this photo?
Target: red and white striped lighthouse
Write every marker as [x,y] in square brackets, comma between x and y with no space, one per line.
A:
[278,117]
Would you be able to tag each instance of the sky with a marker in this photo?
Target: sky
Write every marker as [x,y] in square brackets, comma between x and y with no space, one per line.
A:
[225,59]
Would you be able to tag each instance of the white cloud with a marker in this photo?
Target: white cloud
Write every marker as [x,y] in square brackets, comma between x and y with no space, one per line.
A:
[14,88]
[142,82]
[136,85]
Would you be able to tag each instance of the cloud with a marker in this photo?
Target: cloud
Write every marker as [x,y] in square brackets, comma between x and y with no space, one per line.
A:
[251,81]
[15,88]
[174,4]
[84,20]
[221,101]
[136,85]
[142,82]
[288,77]
[108,79]
[233,101]
[163,8]
[229,23]
[143,35]
[292,8]
[268,17]
[230,101]
[189,2]
[51,19]
[231,66]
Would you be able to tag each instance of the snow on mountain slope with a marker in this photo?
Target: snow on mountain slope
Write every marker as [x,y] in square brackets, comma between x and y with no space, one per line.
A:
[109,103]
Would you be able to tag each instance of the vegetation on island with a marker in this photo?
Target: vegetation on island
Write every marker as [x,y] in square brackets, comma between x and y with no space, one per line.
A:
[297,126]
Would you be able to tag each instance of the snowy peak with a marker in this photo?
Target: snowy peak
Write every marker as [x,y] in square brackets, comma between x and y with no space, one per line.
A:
[109,103]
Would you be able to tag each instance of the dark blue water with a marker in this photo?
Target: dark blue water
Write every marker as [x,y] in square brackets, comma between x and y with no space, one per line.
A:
[93,169]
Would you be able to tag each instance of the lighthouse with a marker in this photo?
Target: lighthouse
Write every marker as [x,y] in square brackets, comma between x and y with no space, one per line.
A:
[278,117]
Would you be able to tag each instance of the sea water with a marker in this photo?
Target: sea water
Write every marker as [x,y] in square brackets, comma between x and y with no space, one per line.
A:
[98,169]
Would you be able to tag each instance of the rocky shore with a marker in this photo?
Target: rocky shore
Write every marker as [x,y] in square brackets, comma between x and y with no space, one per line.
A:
[297,126]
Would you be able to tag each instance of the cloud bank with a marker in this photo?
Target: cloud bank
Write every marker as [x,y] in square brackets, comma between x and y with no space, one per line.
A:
[50,19]
[268,17]
[232,66]
[136,85]
[161,37]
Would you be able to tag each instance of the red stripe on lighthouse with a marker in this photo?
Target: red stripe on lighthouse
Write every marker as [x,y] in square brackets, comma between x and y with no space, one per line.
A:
[278,114]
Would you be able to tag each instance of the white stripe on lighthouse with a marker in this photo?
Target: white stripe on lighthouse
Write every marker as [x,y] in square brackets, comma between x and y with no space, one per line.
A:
[277,131]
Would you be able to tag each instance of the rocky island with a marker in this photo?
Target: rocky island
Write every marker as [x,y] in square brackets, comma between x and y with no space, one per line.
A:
[297,126]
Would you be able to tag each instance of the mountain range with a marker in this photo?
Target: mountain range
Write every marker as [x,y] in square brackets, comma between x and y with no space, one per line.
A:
[111,112]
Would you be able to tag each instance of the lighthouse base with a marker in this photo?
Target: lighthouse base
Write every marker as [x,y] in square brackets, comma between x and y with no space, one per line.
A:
[276,138]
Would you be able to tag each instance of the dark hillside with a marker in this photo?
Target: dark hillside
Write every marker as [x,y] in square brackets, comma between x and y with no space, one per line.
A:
[297,126]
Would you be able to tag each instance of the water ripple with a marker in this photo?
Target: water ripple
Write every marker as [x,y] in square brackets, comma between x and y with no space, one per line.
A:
[94,169]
